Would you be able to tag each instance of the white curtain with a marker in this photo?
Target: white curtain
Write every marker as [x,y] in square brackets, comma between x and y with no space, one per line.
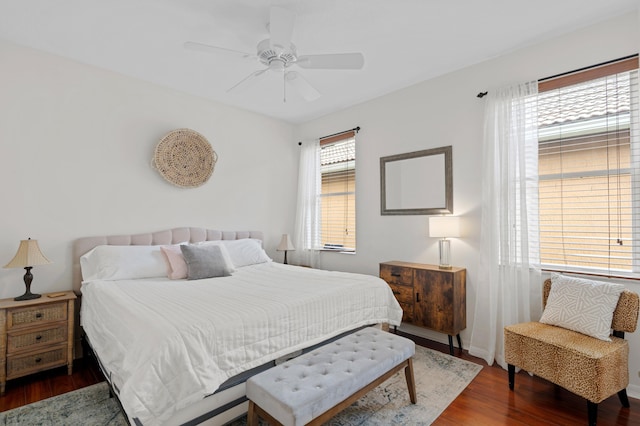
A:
[307,228]
[509,287]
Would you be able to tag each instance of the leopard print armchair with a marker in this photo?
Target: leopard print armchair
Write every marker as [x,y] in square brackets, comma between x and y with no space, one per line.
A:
[589,367]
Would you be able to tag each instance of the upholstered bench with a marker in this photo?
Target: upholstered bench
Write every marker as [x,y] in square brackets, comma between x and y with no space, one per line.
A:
[314,387]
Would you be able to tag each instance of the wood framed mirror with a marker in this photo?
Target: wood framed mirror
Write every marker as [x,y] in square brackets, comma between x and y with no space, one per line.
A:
[417,183]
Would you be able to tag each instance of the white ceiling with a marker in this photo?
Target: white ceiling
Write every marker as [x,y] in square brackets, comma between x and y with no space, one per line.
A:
[403,41]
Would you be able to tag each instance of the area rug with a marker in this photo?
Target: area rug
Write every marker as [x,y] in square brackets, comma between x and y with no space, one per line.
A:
[439,380]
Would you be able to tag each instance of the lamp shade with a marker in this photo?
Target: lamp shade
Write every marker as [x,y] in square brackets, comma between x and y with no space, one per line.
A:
[29,254]
[444,226]
[285,243]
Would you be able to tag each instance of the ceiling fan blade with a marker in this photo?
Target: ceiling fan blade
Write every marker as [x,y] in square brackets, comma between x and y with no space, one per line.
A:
[336,61]
[281,22]
[247,79]
[302,86]
[201,47]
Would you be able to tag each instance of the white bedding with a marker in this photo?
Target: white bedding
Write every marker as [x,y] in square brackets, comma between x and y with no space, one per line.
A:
[166,344]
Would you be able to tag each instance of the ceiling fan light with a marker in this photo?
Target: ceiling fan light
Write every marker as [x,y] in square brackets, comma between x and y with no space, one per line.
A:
[277,65]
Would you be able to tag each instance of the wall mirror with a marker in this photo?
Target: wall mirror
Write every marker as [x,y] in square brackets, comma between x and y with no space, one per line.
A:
[417,183]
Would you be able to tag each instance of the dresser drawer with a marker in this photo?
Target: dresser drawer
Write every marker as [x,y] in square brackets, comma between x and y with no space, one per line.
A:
[33,338]
[50,312]
[399,275]
[20,365]
[403,293]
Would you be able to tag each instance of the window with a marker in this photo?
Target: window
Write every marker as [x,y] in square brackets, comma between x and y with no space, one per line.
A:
[589,163]
[338,192]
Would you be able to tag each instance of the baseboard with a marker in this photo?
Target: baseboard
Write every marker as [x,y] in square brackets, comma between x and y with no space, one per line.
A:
[429,334]
[633,391]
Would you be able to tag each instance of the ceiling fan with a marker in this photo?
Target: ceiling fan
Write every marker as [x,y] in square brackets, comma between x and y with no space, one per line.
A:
[279,54]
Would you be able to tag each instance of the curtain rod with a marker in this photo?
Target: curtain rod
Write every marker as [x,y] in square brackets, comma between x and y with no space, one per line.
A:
[483,94]
[355,129]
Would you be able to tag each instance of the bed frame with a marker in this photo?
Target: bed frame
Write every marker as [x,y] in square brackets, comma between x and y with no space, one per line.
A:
[229,401]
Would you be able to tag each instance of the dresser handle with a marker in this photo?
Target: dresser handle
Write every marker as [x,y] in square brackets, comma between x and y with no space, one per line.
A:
[38,337]
[395,274]
[417,297]
[38,315]
[396,292]
[38,359]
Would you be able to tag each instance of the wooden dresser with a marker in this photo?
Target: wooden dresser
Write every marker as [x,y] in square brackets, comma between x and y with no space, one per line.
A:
[36,335]
[430,297]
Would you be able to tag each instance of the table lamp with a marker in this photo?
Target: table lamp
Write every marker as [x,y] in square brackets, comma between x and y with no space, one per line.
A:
[27,257]
[285,245]
[444,227]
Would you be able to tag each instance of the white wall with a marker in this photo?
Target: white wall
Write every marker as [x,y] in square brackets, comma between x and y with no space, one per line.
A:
[446,111]
[75,149]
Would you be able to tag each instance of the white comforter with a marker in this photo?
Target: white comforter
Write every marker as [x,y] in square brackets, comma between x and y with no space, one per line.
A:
[167,344]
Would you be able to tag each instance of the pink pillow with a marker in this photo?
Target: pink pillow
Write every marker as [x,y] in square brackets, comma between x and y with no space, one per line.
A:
[176,265]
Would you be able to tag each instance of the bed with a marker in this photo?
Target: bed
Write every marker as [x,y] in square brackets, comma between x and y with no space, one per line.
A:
[177,351]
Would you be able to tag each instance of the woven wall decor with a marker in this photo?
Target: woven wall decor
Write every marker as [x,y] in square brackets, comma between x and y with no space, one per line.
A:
[184,158]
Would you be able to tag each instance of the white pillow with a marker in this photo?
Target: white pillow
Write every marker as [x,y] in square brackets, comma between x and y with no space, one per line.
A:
[122,263]
[582,305]
[245,252]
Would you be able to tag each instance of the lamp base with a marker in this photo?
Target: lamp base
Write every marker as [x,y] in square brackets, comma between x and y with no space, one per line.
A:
[28,277]
[445,254]
[28,296]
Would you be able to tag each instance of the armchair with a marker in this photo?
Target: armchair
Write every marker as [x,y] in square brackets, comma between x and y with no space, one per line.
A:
[592,368]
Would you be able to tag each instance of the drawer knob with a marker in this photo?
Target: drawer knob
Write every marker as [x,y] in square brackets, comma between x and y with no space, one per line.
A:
[38,359]
[38,337]
[417,297]
[38,315]
[395,274]
[396,292]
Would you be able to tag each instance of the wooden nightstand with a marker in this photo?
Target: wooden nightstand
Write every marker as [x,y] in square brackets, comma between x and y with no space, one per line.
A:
[36,335]
[430,297]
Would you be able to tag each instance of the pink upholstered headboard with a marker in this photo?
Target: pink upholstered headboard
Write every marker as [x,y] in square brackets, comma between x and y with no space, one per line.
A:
[170,236]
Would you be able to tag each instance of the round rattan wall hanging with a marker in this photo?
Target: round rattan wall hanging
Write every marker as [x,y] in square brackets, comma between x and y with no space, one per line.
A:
[184,158]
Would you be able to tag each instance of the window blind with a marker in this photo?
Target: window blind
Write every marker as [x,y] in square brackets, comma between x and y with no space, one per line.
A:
[589,180]
[338,194]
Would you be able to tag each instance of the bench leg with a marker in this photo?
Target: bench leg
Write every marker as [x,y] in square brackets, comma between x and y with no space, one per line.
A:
[512,375]
[411,382]
[252,415]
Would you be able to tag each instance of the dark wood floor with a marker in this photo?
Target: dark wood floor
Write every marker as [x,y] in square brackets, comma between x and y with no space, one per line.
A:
[486,401]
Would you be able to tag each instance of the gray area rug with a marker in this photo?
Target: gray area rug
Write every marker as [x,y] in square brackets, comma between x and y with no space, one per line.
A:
[439,380]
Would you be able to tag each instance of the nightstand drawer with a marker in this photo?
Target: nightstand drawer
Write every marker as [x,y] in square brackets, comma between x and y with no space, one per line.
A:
[396,275]
[21,365]
[403,293]
[50,312]
[31,339]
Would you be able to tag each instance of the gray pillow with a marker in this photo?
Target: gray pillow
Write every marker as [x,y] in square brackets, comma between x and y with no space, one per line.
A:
[204,262]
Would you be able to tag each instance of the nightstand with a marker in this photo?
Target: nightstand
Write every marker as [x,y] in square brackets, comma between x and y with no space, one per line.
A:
[430,297]
[36,335]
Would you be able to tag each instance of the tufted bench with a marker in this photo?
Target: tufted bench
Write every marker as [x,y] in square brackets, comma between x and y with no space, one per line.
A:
[314,387]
